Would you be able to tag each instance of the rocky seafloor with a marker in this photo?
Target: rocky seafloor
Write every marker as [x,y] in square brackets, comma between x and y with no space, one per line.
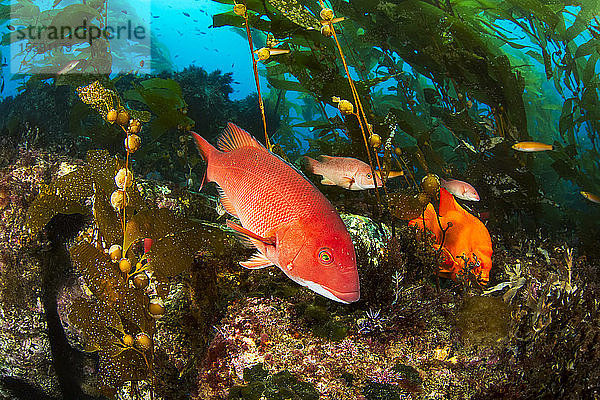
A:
[238,334]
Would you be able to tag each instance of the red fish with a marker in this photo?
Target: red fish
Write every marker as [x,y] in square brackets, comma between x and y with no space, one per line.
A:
[466,236]
[349,173]
[148,244]
[285,217]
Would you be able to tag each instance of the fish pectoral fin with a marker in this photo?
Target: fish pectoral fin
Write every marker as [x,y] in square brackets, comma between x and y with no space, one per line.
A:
[347,182]
[227,204]
[249,235]
[327,181]
[257,261]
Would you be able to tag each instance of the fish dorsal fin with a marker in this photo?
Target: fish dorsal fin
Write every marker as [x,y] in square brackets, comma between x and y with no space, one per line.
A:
[257,261]
[234,137]
[227,204]
[447,203]
[323,158]
[249,236]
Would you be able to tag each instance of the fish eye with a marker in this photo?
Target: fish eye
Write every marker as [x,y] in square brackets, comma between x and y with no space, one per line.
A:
[369,175]
[325,256]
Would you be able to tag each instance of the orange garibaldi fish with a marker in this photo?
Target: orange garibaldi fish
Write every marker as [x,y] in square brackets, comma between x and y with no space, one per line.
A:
[284,216]
[466,236]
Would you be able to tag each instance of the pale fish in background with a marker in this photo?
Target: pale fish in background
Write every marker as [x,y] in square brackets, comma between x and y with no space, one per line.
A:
[460,189]
[349,173]
[70,66]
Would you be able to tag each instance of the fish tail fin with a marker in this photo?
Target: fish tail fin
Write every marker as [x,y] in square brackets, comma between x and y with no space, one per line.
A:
[311,164]
[206,149]
[207,152]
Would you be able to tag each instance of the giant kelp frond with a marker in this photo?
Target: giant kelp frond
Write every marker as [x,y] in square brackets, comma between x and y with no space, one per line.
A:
[118,319]
[164,98]
[66,194]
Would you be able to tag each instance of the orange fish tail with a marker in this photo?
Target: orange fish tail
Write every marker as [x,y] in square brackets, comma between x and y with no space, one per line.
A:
[206,149]
[207,152]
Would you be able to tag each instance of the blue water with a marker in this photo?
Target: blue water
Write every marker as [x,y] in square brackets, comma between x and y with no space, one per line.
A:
[196,43]
[189,40]
[183,30]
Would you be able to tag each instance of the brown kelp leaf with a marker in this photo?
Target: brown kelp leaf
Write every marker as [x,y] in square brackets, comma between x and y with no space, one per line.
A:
[75,14]
[107,284]
[404,206]
[296,13]
[113,371]
[62,196]
[103,167]
[132,304]
[109,223]
[152,224]
[164,98]
[93,319]
[175,252]
[98,271]
[46,206]
[98,97]
[65,194]
[142,116]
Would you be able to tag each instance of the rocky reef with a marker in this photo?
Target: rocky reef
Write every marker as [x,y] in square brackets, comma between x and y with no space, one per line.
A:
[230,333]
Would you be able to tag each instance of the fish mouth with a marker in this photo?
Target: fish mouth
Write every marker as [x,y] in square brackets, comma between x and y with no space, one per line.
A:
[332,294]
[345,297]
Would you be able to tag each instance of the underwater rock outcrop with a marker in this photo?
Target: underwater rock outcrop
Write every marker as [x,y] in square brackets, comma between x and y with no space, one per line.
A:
[30,277]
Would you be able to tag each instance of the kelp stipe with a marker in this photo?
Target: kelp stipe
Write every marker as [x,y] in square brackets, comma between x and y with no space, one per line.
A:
[241,10]
[328,20]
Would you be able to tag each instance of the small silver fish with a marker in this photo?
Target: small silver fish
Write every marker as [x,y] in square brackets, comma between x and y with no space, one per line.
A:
[70,66]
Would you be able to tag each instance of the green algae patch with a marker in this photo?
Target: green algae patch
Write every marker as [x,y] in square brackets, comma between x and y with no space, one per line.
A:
[483,321]
[322,322]
[381,391]
[411,380]
[282,385]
